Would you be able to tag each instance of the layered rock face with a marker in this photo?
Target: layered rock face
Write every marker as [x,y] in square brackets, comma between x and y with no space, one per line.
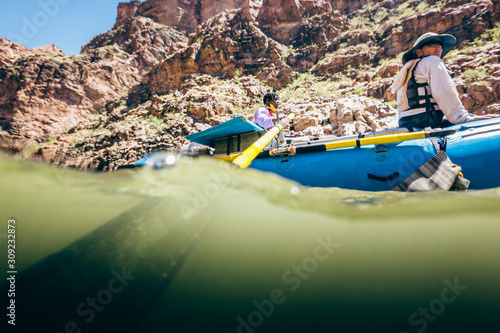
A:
[42,97]
[282,19]
[349,6]
[123,135]
[184,15]
[223,46]
[234,42]
[10,52]
[141,37]
[463,19]
[45,93]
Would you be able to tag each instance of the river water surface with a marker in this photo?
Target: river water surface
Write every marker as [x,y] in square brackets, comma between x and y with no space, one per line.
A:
[206,247]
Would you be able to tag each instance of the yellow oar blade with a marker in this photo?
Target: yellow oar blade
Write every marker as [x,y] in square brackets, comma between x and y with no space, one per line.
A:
[244,160]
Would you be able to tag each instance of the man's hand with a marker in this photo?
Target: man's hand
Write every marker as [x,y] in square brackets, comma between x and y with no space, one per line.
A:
[486,116]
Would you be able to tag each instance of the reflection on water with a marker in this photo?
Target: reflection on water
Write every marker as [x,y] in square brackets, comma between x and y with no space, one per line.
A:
[207,247]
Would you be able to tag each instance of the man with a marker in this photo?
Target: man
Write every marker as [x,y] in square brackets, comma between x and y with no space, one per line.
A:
[426,93]
[265,116]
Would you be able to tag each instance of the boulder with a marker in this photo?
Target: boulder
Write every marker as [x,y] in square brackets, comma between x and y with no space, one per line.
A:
[480,93]
[361,114]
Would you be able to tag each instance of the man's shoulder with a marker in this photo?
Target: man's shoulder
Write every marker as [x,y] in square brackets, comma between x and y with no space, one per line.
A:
[431,60]
[262,109]
[430,64]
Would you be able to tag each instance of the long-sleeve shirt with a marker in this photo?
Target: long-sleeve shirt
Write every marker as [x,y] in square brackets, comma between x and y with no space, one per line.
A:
[431,70]
[263,118]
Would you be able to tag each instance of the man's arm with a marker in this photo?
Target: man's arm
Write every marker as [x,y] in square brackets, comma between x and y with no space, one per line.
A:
[446,95]
[444,92]
[263,118]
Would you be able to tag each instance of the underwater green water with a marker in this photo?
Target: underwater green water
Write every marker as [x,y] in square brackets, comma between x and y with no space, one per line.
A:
[208,247]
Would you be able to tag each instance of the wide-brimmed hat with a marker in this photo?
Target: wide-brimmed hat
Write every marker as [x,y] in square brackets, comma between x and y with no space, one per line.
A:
[448,43]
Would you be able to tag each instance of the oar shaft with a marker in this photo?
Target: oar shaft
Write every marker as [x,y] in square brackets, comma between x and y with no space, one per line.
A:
[377,140]
[358,142]
[244,160]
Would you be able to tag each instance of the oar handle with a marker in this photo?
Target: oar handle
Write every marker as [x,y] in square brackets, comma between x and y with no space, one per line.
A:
[244,160]
[441,132]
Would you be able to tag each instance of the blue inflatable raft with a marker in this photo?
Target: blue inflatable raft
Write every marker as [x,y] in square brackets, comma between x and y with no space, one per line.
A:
[374,161]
